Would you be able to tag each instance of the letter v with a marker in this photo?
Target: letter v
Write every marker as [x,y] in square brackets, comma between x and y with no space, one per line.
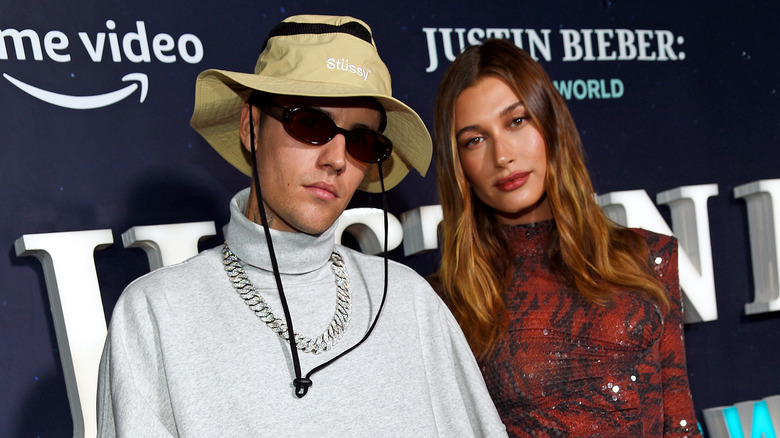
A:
[96,51]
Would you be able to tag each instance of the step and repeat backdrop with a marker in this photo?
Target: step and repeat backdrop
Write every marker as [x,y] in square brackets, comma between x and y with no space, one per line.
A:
[677,105]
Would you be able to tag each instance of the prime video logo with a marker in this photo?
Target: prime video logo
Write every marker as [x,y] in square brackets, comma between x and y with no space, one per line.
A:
[135,47]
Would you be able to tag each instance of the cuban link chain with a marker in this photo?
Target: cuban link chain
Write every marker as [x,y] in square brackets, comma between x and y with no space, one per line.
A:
[341,317]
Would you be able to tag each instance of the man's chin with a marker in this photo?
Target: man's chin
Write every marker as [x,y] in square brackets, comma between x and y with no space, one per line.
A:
[314,229]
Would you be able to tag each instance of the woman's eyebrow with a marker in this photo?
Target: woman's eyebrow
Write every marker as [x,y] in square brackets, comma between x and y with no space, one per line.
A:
[504,112]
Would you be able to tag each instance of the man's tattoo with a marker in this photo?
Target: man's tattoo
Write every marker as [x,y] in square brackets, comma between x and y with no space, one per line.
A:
[258,218]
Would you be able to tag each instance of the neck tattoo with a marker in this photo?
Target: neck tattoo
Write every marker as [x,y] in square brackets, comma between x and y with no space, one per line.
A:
[255,301]
[253,214]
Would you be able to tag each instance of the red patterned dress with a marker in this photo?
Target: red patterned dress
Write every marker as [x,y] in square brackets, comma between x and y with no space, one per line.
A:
[568,367]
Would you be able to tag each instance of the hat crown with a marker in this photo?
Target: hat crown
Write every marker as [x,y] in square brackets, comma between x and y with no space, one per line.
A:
[316,56]
[324,49]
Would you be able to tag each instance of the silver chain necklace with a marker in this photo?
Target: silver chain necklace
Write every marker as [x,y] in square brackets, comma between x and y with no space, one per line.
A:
[341,317]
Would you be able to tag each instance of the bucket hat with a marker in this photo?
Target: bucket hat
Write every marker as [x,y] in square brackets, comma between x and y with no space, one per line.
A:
[316,56]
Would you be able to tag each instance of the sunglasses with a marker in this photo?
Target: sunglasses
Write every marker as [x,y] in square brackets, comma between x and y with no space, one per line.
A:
[316,128]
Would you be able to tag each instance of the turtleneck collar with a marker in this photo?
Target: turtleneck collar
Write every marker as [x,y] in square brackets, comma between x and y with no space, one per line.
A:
[296,253]
[530,239]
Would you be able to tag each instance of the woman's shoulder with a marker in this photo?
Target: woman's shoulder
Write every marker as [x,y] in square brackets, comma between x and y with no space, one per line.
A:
[662,261]
[657,243]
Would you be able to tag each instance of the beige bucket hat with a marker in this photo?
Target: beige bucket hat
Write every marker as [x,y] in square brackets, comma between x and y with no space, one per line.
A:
[318,56]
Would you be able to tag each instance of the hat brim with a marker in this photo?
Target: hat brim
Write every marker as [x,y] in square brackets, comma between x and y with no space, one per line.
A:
[220,94]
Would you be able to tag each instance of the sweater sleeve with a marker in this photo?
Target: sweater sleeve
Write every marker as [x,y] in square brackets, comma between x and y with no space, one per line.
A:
[132,393]
[679,418]
[456,364]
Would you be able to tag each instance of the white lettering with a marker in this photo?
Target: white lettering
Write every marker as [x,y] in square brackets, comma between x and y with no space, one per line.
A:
[77,312]
[587,44]
[74,293]
[626,47]
[344,65]
[134,45]
[419,227]
[161,44]
[665,41]
[166,245]
[497,33]
[366,225]
[475,36]
[95,51]
[634,208]
[690,221]
[517,35]
[603,45]
[631,45]
[449,53]
[572,50]
[433,56]
[113,42]
[187,40]
[53,41]
[16,36]
[642,37]
[763,209]
[535,43]
[538,46]
[143,44]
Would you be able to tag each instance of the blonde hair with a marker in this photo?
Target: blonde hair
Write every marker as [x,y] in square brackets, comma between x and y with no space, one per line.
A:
[589,251]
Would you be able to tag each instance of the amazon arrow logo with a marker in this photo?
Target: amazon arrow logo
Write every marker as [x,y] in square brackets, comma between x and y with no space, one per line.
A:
[85,102]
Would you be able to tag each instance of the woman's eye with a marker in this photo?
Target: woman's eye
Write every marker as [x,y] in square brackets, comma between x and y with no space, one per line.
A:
[519,121]
[472,142]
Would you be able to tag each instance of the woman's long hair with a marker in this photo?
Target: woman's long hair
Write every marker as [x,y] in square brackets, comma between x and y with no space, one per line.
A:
[589,251]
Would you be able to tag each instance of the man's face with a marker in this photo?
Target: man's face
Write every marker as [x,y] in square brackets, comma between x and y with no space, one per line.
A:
[305,187]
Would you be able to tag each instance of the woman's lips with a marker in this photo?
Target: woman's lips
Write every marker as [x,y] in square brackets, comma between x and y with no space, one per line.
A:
[513,181]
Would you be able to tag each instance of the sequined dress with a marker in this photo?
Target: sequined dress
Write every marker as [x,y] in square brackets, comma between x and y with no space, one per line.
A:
[568,367]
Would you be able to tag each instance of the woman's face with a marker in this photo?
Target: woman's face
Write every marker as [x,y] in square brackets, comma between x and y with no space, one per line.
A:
[501,152]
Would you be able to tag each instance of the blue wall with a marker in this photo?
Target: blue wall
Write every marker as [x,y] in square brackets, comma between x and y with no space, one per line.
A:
[709,116]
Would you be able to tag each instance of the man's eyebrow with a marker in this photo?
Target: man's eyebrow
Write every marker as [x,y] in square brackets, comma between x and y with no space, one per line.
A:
[353,126]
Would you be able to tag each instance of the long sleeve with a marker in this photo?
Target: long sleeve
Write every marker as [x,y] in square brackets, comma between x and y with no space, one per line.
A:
[679,417]
[570,367]
[132,394]
[472,395]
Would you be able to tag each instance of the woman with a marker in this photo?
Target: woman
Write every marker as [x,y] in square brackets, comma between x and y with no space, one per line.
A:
[576,321]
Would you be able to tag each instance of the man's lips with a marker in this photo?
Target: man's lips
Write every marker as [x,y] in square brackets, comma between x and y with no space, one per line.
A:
[512,181]
[323,190]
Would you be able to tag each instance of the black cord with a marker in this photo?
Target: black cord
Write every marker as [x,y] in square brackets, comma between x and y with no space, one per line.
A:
[302,384]
[384,295]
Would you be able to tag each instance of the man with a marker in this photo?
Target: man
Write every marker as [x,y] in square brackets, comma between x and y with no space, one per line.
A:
[204,348]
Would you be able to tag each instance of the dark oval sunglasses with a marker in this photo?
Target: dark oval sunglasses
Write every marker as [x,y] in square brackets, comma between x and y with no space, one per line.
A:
[316,128]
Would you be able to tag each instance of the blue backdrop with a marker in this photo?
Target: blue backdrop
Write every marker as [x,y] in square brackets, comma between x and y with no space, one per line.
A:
[695,102]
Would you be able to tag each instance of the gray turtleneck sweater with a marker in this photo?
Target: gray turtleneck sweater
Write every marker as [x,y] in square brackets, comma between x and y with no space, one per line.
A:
[185,356]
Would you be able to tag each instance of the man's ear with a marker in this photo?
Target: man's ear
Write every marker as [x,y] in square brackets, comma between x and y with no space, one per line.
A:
[243,127]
